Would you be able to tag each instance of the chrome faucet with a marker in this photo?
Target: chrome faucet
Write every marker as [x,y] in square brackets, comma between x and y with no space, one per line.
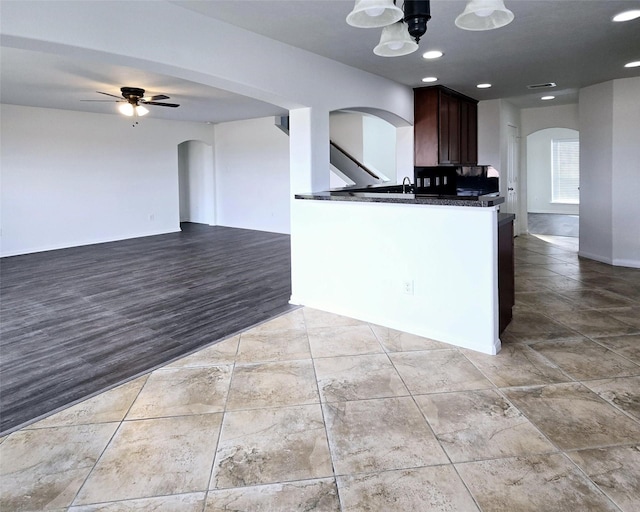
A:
[406,180]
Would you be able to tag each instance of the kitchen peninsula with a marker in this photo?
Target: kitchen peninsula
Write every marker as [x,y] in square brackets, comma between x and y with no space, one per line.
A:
[422,264]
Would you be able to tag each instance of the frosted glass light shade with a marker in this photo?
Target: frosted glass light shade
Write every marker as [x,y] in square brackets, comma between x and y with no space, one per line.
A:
[141,111]
[126,109]
[395,41]
[374,13]
[484,15]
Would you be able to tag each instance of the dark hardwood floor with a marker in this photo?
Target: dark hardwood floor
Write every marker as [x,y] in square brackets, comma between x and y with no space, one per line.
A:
[81,320]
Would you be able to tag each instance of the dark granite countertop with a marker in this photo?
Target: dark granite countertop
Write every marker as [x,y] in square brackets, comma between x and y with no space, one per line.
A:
[391,195]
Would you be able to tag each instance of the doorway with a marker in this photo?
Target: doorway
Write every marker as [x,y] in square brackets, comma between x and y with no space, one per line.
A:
[553,186]
[196,182]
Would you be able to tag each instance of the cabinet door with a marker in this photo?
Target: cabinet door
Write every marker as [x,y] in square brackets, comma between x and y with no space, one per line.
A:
[454,130]
[472,134]
[443,128]
[506,283]
[464,132]
[449,125]
[425,127]
[468,133]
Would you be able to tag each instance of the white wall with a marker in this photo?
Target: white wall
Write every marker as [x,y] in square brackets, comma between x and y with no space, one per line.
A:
[404,152]
[538,171]
[494,119]
[561,116]
[252,175]
[72,178]
[368,139]
[353,258]
[379,147]
[489,133]
[596,120]
[347,131]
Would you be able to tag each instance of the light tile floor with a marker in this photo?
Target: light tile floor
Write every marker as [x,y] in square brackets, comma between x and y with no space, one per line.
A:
[316,412]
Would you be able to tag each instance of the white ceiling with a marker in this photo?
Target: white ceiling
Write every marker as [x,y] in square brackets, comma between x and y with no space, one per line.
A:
[570,42]
[53,81]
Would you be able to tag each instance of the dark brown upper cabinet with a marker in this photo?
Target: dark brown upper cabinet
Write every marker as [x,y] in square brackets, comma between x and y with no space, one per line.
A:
[445,127]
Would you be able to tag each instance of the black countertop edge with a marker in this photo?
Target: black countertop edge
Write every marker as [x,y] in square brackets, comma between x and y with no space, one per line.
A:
[373,197]
[503,218]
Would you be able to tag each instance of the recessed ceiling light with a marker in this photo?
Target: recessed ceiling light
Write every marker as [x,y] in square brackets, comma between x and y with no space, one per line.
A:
[633,64]
[483,86]
[430,79]
[432,54]
[546,98]
[627,15]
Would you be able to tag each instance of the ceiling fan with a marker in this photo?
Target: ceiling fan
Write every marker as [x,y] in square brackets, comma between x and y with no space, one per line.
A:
[133,101]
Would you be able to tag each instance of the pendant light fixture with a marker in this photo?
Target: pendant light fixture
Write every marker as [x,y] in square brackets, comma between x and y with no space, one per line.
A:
[374,13]
[403,28]
[395,41]
[484,15]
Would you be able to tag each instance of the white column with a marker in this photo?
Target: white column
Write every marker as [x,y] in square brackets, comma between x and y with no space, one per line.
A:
[309,150]
[309,172]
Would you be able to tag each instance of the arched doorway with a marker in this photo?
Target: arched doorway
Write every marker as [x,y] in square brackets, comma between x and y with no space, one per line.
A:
[553,202]
[379,141]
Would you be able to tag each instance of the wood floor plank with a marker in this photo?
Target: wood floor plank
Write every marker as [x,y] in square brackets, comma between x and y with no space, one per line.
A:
[80,320]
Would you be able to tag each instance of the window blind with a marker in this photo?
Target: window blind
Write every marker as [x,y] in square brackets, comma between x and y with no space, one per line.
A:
[565,171]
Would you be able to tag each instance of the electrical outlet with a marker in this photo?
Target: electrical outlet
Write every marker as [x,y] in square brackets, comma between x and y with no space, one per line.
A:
[407,287]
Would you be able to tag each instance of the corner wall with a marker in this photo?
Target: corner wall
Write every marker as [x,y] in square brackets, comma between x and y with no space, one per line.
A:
[252,175]
[626,172]
[609,172]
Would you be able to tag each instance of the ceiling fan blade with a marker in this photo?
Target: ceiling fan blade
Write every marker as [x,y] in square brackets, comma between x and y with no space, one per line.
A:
[161,104]
[108,101]
[156,98]
[107,94]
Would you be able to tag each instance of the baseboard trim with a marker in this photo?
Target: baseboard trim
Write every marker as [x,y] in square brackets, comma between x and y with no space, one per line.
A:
[595,257]
[626,263]
[616,262]
[85,243]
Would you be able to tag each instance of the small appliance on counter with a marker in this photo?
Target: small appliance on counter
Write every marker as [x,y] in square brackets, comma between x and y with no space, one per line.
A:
[457,180]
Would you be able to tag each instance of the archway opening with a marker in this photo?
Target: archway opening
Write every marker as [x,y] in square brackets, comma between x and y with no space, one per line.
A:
[553,182]
[380,145]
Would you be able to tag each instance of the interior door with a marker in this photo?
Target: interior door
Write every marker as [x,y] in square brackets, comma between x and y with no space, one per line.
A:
[511,203]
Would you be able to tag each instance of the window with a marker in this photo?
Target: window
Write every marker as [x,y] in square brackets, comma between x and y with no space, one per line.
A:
[565,171]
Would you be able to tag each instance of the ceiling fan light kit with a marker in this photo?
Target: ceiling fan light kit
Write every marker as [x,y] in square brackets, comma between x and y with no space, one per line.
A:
[403,28]
[129,109]
[484,15]
[133,101]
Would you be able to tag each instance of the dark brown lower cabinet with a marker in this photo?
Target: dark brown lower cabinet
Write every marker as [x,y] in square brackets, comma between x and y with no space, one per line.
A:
[506,280]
